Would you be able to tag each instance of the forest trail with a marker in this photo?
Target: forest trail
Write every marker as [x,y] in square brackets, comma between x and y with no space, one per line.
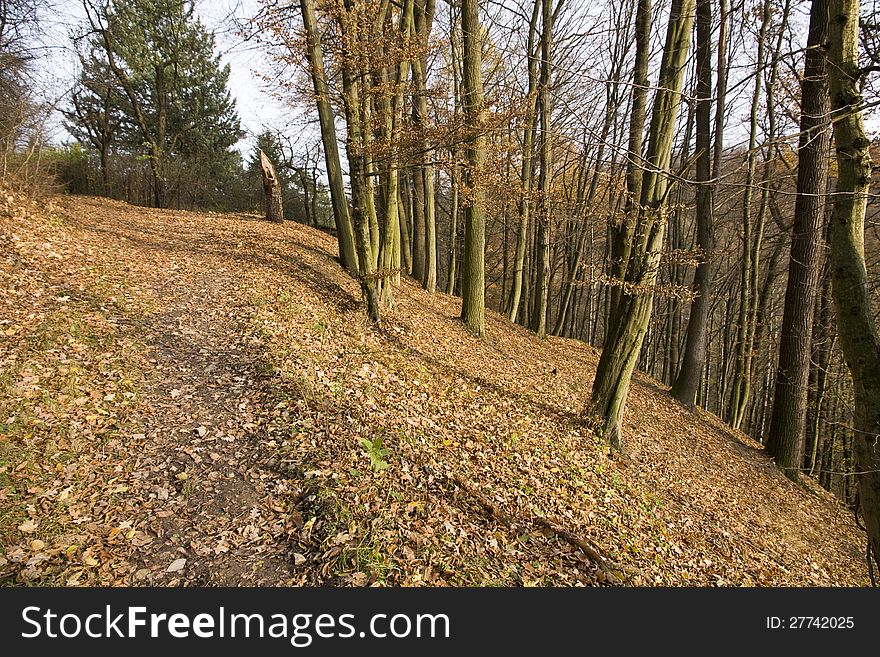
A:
[185,399]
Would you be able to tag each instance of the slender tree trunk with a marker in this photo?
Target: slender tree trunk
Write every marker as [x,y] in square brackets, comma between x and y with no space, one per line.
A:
[339,201]
[686,383]
[313,200]
[369,175]
[308,208]
[632,314]
[424,15]
[621,230]
[572,292]
[105,169]
[859,336]
[522,236]
[539,323]
[748,272]
[785,440]
[354,142]
[403,213]
[672,325]
[452,267]
[418,219]
[473,278]
[393,120]
[822,341]
[453,234]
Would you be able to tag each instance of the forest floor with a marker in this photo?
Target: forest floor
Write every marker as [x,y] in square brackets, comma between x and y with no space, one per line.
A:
[197,399]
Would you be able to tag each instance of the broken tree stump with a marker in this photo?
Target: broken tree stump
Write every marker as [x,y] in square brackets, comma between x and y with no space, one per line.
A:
[271,190]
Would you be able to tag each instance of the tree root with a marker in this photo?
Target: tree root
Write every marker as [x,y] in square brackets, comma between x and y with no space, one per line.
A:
[497,514]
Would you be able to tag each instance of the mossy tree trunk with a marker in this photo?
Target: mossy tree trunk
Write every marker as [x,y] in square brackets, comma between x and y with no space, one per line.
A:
[391,107]
[629,321]
[621,228]
[338,198]
[859,336]
[354,101]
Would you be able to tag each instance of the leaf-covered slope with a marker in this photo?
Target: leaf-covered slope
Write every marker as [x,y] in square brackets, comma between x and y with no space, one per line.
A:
[315,448]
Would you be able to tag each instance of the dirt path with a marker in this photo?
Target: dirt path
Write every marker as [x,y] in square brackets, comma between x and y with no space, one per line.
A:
[178,493]
[201,453]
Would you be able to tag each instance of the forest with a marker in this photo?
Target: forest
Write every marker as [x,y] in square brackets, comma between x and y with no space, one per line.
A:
[671,200]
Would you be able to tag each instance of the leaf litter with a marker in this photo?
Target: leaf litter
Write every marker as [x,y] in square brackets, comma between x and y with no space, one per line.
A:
[198,399]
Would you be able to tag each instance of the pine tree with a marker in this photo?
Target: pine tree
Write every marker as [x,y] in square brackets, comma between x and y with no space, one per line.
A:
[96,112]
[163,63]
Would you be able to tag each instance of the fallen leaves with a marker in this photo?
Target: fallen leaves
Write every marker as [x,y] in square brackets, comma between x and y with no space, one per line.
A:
[176,566]
[28,527]
[202,427]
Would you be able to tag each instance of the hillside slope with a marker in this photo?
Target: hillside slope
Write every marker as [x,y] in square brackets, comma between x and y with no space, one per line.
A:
[186,395]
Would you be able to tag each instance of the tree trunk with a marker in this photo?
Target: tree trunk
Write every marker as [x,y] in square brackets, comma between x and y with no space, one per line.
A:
[822,343]
[418,219]
[452,267]
[858,332]
[749,271]
[392,120]
[785,440]
[539,322]
[313,200]
[271,190]
[307,204]
[404,214]
[424,15]
[522,236]
[453,233]
[473,285]
[105,169]
[621,230]
[686,383]
[357,173]
[339,201]
[632,313]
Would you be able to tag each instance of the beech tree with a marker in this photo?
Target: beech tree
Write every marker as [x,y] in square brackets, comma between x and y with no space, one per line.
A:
[631,315]
[687,382]
[528,140]
[602,194]
[473,283]
[785,439]
[338,197]
[542,292]
[859,335]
